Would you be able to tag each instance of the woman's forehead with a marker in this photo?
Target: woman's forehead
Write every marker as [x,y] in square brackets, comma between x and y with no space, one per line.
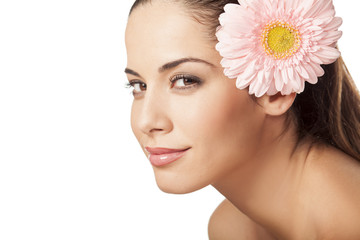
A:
[161,20]
[160,32]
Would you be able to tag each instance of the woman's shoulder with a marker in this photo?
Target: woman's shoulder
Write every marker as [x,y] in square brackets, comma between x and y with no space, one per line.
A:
[328,200]
[227,222]
[331,192]
[333,170]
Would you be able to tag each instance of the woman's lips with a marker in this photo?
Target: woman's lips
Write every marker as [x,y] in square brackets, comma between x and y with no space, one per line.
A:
[162,156]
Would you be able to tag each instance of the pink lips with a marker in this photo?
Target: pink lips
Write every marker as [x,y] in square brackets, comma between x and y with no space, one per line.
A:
[162,156]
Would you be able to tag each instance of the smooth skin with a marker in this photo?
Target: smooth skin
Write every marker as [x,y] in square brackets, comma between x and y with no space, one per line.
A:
[275,187]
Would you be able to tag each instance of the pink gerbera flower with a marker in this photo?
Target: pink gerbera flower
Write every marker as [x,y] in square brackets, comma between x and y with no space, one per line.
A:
[275,46]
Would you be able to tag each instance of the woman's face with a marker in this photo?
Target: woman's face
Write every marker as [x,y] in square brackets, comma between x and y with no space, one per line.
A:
[183,101]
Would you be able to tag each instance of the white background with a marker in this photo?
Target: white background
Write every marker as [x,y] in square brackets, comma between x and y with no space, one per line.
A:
[70,167]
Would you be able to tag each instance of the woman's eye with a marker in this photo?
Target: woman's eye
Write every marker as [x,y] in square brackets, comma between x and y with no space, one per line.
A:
[182,82]
[138,86]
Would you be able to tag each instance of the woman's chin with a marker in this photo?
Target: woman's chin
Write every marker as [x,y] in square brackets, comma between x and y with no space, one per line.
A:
[178,185]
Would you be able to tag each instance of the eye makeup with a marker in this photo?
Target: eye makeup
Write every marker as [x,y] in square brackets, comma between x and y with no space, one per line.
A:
[137,86]
[179,82]
[185,82]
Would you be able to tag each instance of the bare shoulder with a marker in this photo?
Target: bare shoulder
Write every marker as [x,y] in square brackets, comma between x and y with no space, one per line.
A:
[228,223]
[333,193]
[337,173]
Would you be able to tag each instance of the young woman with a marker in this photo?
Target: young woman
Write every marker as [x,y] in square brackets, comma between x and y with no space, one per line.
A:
[225,103]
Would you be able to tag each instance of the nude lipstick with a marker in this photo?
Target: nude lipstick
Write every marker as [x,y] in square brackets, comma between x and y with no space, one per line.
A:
[162,156]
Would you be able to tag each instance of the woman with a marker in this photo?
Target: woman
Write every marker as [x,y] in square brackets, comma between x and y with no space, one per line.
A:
[285,155]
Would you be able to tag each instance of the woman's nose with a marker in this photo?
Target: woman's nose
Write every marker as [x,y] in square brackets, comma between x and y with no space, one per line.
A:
[154,117]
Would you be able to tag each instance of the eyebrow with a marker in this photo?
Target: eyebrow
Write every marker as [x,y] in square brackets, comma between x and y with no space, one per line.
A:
[172,64]
[176,63]
[132,72]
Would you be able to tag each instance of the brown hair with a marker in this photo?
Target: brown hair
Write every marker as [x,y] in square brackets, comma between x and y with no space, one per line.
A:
[329,111]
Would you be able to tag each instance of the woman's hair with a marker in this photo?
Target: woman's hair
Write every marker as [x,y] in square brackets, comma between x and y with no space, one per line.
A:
[328,111]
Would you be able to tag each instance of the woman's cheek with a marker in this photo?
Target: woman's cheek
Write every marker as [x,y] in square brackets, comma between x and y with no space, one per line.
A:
[225,121]
[135,115]
[220,112]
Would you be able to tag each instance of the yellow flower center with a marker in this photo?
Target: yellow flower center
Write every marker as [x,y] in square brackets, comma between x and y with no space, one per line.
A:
[280,40]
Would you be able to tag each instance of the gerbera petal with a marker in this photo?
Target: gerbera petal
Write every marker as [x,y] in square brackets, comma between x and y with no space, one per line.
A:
[314,58]
[296,81]
[262,86]
[284,75]
[243,3]
[291,4]
[301,87]
[290,71]
[287,89]
[232,8]
[249,71]
[312,75]
[330,37]
[253,86]
[268,5]
[322,21]
[272,89]
[235,52]
[238,66]
[327,9]
[262,90]
[269,74]
[320,9]
[279,83]
[334,24]
[327,54]
[243,83]
[319,71]
[302,71]
[305,6]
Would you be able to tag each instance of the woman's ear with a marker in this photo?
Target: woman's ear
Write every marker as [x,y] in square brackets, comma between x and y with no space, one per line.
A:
[278,104]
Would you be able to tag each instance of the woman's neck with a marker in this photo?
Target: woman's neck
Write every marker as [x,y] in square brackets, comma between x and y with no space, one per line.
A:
[267,186]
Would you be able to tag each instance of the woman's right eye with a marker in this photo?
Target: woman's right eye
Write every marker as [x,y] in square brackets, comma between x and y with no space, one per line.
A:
[137,86]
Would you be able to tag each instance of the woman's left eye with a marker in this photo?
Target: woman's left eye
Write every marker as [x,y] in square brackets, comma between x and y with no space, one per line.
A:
[182,81]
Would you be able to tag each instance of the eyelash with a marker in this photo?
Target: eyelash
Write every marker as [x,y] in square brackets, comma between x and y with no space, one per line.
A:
[196,82]
[132,83]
